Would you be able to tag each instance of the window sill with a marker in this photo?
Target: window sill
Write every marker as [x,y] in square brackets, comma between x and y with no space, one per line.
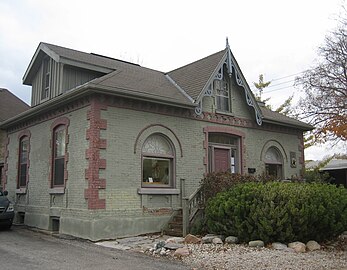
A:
[224,112]
[57,190]
[159,191]
[22,190]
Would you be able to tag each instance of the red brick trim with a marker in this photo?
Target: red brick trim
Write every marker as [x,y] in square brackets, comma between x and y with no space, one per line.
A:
[21,135]
[230,131]
[95,163]
[158,125]
[5,169]
[61,121]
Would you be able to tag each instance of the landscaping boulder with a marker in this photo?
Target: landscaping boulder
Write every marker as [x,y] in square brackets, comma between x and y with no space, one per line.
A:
[177,240]
[192,239]
[297,246]
[312,245]
[217,241]
[181,252]
[256,243]
[279,246]
[173,246]
[231,240]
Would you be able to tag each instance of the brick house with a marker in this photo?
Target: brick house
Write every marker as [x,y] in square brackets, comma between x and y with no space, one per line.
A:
[108,141]
[10,106]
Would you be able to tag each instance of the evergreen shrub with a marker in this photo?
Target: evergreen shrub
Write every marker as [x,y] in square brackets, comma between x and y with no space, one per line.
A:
[216,182]
[277,211]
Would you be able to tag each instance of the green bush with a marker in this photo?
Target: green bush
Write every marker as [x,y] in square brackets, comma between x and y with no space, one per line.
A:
[215,183]
[278,211]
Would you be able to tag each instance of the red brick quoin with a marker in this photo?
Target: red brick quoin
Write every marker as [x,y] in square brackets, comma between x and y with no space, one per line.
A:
[95,163]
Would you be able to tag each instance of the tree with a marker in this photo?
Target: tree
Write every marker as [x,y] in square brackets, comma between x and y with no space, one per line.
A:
[260,86]
[325,85]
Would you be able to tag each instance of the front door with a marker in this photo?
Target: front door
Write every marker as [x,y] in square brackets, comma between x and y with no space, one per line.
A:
[221,159]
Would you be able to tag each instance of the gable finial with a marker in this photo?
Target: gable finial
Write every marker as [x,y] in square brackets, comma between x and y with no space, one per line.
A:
[227,43]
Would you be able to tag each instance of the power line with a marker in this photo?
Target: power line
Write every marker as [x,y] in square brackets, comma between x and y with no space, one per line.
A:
[273,85]
[277,79]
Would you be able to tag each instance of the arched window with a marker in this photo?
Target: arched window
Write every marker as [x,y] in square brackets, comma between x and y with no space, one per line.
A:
[23,162]
[158,159]
[273,162]
[58,155]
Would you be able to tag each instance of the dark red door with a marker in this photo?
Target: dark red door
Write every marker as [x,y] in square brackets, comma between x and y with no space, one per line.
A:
[221,160]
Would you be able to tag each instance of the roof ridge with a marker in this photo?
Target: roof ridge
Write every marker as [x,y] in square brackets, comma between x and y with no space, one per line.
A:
[192,63]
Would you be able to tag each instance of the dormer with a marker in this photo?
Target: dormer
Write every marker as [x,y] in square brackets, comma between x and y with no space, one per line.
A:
[55,70]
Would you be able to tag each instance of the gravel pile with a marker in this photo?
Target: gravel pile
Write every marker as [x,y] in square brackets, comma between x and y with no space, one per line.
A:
[210,256]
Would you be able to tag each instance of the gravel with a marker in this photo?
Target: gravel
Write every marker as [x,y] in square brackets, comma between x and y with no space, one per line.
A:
[209,256]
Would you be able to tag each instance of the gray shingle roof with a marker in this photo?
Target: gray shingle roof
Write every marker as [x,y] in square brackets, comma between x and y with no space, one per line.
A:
[10,105]
[142,82]
[193,77]
[280,118]
[89,58]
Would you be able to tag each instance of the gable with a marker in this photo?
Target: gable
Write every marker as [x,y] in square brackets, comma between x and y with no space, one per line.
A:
[197,79]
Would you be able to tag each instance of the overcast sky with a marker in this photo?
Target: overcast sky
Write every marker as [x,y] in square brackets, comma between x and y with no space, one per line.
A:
[275,38]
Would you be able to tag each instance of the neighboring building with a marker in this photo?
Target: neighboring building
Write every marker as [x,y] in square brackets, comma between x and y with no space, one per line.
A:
[106,142]
[337,169]
[10,106]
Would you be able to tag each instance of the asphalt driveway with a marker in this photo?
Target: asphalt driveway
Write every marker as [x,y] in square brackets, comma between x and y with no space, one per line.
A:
[22,248]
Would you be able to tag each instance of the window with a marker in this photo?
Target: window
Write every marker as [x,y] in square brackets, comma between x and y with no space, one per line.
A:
[59,136]
[157,162]
[221,88]
[23,162]
[223,153]
[273,163]
[222,95]
[46,78]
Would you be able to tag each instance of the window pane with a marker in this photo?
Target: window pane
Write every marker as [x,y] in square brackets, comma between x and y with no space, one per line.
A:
[59,171]
[221,138]
[23,175]
[157,144]
[273,156]
[24,151]
[156,171]
[60,143]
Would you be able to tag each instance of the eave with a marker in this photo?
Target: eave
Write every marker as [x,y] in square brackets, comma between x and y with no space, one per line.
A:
[85,90]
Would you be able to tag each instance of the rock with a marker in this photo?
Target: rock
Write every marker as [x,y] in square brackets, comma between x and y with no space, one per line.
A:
[162,251]
[256,243]
[159,245]
[181,252]
[279,246]
[298,247]
[217,241]
[173,246]
[231,240]
[177,240]
[207,239]
[312,245]
[192,239]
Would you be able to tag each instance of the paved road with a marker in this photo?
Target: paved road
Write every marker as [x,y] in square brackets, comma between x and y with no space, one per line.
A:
[21,248]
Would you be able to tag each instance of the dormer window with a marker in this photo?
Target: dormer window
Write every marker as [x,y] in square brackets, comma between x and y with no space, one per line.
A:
[222,91]
[46,78]
[222,95]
